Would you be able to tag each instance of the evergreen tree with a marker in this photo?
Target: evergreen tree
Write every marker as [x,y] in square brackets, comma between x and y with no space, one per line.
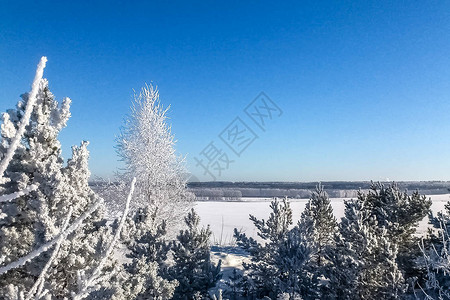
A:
[399,213]
[145,276]
[364,259]
[234,284]
[279,265]
[84,247]
[61,196]
[320,226]
[193,267]
[436,257]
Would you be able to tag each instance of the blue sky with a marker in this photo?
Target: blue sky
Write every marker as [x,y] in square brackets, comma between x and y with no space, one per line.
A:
[364,86]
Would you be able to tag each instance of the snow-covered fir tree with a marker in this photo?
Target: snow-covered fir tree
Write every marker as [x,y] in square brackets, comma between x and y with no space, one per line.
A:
[192,267]
[320,226]
[234,284]
[146,145]
[83,248]
[399,213]
[319,223]
[364,258]
[52,232]
[144,277]
[436,258]
[279,265]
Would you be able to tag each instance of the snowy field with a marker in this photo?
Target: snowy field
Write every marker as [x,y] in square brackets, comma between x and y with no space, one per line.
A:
[223,216]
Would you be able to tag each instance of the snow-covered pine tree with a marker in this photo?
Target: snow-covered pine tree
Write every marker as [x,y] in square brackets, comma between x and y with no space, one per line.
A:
[146,283]
[278,265]
[234,284]
[33,220]
[436,257]
[83,248]
[320,226]
[146,145]
[364,259]
[98,281]
[193,268]
[144,277]
[399,213]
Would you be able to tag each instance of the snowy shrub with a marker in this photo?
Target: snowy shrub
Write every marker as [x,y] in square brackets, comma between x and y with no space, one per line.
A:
[146,145]
[192,267]
[278,265]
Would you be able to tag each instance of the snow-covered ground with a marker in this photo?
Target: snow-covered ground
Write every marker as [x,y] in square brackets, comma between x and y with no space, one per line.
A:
[224,216]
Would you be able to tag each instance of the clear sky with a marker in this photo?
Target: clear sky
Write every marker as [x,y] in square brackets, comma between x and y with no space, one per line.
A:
[363,87]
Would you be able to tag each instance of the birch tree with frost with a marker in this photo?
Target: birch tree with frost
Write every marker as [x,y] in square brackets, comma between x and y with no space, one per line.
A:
[146,145]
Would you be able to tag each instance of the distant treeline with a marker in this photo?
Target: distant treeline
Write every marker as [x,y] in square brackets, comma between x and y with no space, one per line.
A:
[222,190]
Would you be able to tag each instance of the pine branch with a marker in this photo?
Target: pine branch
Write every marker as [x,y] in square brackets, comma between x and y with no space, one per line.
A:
[90,282]
[39,284]
[26,117]
[25,191]
[23,260]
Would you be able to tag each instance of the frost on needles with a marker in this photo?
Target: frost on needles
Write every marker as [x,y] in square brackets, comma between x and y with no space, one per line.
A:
[51,222]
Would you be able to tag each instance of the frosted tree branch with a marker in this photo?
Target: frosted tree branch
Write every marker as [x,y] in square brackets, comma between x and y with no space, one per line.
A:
[23,260]
[26,117]
[25,191]
[39,284]
[90,282]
